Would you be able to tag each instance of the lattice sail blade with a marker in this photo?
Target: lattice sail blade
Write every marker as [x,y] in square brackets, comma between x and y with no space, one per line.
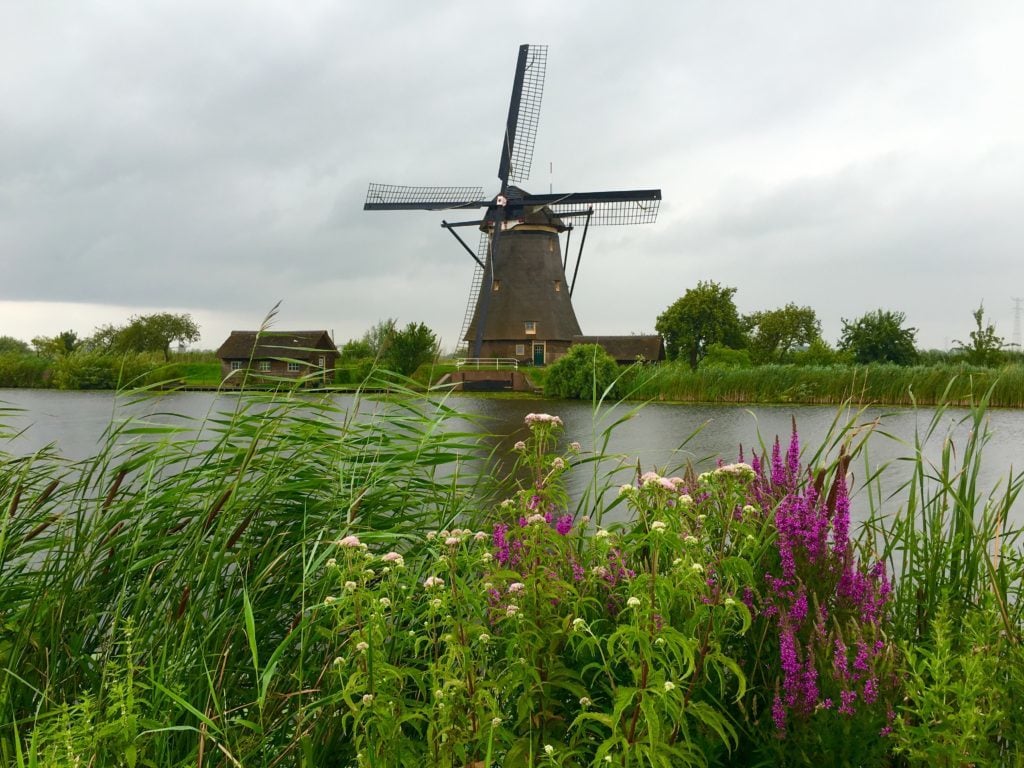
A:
[638,206]
[482,250]
[391,197]
[523,114]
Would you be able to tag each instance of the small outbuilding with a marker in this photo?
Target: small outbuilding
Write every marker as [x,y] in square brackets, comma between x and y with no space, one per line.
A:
[281,354]
[628,349]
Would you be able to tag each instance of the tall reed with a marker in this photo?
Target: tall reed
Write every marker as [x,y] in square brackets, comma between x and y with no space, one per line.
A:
[836,384]
[167,578]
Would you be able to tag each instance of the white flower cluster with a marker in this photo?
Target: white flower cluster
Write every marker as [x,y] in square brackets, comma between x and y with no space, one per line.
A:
[542,418]
[740,471]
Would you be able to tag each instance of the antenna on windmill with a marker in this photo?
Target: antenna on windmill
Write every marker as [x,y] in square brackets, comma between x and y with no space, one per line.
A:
[519,298]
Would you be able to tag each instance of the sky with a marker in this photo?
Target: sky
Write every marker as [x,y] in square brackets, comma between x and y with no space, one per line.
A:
[213,157]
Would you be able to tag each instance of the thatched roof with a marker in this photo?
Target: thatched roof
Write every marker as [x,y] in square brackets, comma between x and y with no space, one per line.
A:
[627,349]
[532,287]
[243,345]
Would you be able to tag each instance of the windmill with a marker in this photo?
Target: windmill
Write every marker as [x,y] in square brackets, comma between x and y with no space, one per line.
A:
[520,299]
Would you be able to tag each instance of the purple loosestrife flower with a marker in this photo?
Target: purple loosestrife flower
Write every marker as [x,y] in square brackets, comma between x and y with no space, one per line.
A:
[847,700]
[779,715]
[871,690]
[564,525]
[798,611]
[860,662]
[790,665]
[501,548]
[840,661]
[778,470]
[809,689]
[793,456]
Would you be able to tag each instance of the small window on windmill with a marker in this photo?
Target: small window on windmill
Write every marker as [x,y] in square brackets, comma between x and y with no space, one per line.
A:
[530,327]
[558,286]
[496,286]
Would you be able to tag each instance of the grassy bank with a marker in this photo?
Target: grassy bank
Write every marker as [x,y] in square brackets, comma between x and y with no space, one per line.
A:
[305,587]
[883,384]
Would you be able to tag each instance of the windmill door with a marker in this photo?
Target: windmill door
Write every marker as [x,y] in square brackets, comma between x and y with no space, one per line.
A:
[538,353]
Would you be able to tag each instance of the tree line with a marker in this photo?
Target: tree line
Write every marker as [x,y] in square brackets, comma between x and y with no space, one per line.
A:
[142,333]
[704,325]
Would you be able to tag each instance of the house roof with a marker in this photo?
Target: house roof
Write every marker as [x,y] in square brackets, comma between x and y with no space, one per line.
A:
[256,344]
[626,349]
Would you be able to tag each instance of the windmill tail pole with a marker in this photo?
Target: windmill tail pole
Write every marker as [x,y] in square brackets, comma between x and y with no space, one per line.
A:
[579,256]
[451,228]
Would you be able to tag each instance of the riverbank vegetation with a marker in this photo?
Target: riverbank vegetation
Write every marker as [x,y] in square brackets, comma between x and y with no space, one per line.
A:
[828,384]
[305,585]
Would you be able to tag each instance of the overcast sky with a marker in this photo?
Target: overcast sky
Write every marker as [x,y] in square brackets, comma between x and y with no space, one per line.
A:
[213,158]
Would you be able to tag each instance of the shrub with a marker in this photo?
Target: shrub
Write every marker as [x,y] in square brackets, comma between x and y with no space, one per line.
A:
[21,370]
[720,356]
[92,370]
[584,373]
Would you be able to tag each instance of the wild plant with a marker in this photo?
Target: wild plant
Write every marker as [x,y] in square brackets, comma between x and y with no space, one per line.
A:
[957,606]
[543,641]
[823,666]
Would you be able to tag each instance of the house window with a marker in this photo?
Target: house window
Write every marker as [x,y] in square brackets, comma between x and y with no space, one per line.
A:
[496,285]
[322,361]
[558,286]
[520,350]
[530,327]
[236,365]
[294,367]
[263,365]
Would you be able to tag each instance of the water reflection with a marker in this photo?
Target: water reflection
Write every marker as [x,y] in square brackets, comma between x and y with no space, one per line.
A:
[657,436]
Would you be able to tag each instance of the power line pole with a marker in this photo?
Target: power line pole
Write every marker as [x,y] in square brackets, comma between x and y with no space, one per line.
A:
[1016,322]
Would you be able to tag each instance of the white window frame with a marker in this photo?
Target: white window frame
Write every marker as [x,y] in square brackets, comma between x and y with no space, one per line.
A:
[520,350]
[294,367]
[263,365]
[236,365]
[530,327]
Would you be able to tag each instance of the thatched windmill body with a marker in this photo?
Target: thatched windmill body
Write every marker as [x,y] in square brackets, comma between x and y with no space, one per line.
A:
[520,303]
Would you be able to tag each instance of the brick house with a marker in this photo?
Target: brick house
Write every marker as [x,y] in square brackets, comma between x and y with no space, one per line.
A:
[279,354]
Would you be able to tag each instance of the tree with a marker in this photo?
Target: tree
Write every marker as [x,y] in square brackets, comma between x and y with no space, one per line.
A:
[703,316]
[379,335]
[154,333]
[986,347]
[145,333]
[774,334]
[62,344]
[355,350]
[879,337]
[585,370]
[9,344]
[407,349]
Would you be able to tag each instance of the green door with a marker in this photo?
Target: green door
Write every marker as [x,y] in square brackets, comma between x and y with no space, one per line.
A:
[538,353]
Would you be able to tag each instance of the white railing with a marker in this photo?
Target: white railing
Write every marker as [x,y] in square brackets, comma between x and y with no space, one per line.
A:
[488,363]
